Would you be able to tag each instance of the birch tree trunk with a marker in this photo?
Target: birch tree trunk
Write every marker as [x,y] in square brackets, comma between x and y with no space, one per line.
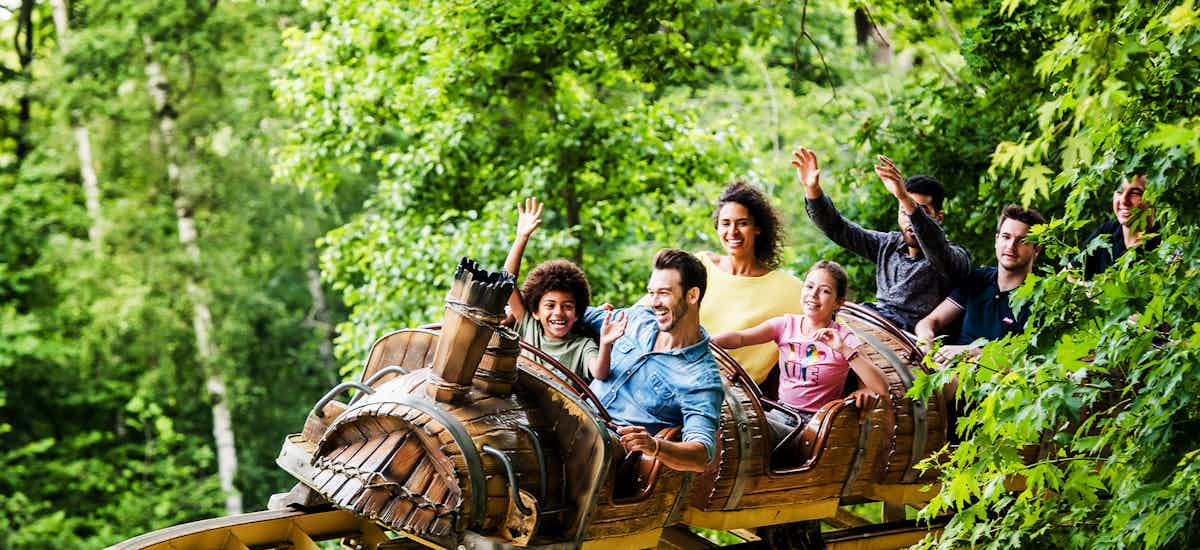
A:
[319,318]
[83,142]
[23,44]
[202,323]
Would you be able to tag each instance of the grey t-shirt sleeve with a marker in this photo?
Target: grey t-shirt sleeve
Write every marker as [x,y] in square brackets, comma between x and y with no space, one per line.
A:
[591,350]
[950,260]
[843,232]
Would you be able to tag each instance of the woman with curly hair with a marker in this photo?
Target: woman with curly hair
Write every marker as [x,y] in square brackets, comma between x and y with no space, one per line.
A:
[745,286]
[551,301]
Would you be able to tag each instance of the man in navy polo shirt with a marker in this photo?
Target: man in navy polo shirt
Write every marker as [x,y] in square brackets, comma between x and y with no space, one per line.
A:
[981,301]
[661,372]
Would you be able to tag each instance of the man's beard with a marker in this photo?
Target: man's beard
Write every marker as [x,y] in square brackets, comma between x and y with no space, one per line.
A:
[677,313]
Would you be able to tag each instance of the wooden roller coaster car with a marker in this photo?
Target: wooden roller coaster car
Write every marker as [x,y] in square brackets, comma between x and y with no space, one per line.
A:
[462,435]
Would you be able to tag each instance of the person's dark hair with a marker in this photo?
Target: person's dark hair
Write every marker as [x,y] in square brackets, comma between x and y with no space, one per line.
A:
[1026,216]
[691,271]
[560,275]
[834,270]
[927,185]
[770,237]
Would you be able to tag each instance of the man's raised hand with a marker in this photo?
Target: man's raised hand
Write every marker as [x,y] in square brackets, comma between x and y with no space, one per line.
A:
[529,217]
[891,177]
[808,172]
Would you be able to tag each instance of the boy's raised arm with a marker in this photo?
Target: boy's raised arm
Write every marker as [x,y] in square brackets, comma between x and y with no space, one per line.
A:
[529,217]
[613,328]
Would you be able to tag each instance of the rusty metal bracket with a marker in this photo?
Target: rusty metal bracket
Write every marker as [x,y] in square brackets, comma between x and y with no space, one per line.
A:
[319,408]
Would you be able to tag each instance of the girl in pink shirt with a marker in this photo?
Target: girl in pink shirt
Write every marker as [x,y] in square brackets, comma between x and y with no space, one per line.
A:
[814,351]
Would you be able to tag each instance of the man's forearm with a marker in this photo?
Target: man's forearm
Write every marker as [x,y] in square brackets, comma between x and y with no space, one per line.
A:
[948,261]
[907,204]
[926,329]
[841,231]
[688,456]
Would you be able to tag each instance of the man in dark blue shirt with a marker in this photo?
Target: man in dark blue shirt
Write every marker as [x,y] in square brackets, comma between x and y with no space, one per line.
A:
[981,300]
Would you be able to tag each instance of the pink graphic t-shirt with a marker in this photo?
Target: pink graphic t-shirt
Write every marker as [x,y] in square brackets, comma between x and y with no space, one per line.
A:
[811,373]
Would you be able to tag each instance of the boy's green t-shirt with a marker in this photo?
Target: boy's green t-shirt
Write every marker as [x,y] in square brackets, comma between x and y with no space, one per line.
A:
[574,352]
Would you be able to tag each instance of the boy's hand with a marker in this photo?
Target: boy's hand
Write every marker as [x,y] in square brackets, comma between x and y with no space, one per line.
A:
[613,328]
[529,217]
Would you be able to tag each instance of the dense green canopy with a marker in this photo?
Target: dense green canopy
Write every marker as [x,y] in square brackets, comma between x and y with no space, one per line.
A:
[375,143]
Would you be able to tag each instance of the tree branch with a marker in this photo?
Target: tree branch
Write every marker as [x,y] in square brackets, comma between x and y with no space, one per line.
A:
[804,33]
[875,27]
[946,21]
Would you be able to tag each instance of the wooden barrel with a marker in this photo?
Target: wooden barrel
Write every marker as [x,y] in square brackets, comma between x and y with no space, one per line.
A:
[742,477]
[420,466]
[918,427]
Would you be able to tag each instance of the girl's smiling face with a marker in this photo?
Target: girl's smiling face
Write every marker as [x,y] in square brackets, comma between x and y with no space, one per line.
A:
[819,299]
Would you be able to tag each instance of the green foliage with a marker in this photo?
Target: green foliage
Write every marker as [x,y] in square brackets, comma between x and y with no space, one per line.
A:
[1105,370]
[418,126]
[107,430]
[568,109]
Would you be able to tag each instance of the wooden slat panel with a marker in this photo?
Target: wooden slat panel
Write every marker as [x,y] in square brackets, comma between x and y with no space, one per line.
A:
[796,494]
[324,480]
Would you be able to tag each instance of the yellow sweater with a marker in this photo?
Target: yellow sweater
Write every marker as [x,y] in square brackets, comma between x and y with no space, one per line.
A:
[733,302]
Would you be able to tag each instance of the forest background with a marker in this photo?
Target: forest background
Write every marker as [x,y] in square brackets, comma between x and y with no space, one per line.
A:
[210,209]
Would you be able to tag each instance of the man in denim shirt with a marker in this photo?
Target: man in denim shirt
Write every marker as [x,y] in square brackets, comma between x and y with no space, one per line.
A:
[661,372]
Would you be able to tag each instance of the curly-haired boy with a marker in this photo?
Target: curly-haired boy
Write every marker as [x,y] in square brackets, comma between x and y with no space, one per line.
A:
[550,302]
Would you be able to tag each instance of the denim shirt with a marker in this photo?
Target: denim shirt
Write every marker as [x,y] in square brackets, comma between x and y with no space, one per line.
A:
[657,390]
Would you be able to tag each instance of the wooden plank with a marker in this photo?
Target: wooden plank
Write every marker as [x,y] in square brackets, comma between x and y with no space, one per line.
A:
[329,480]
[396,514]
[787,512]
[797,494]
[355,483]
[420,519]
[405,459]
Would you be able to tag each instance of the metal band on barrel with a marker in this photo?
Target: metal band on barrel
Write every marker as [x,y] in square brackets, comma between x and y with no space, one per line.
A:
[920,413]
[743,428]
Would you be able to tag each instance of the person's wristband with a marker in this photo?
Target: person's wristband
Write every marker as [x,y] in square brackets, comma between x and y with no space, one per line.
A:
[655,453]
